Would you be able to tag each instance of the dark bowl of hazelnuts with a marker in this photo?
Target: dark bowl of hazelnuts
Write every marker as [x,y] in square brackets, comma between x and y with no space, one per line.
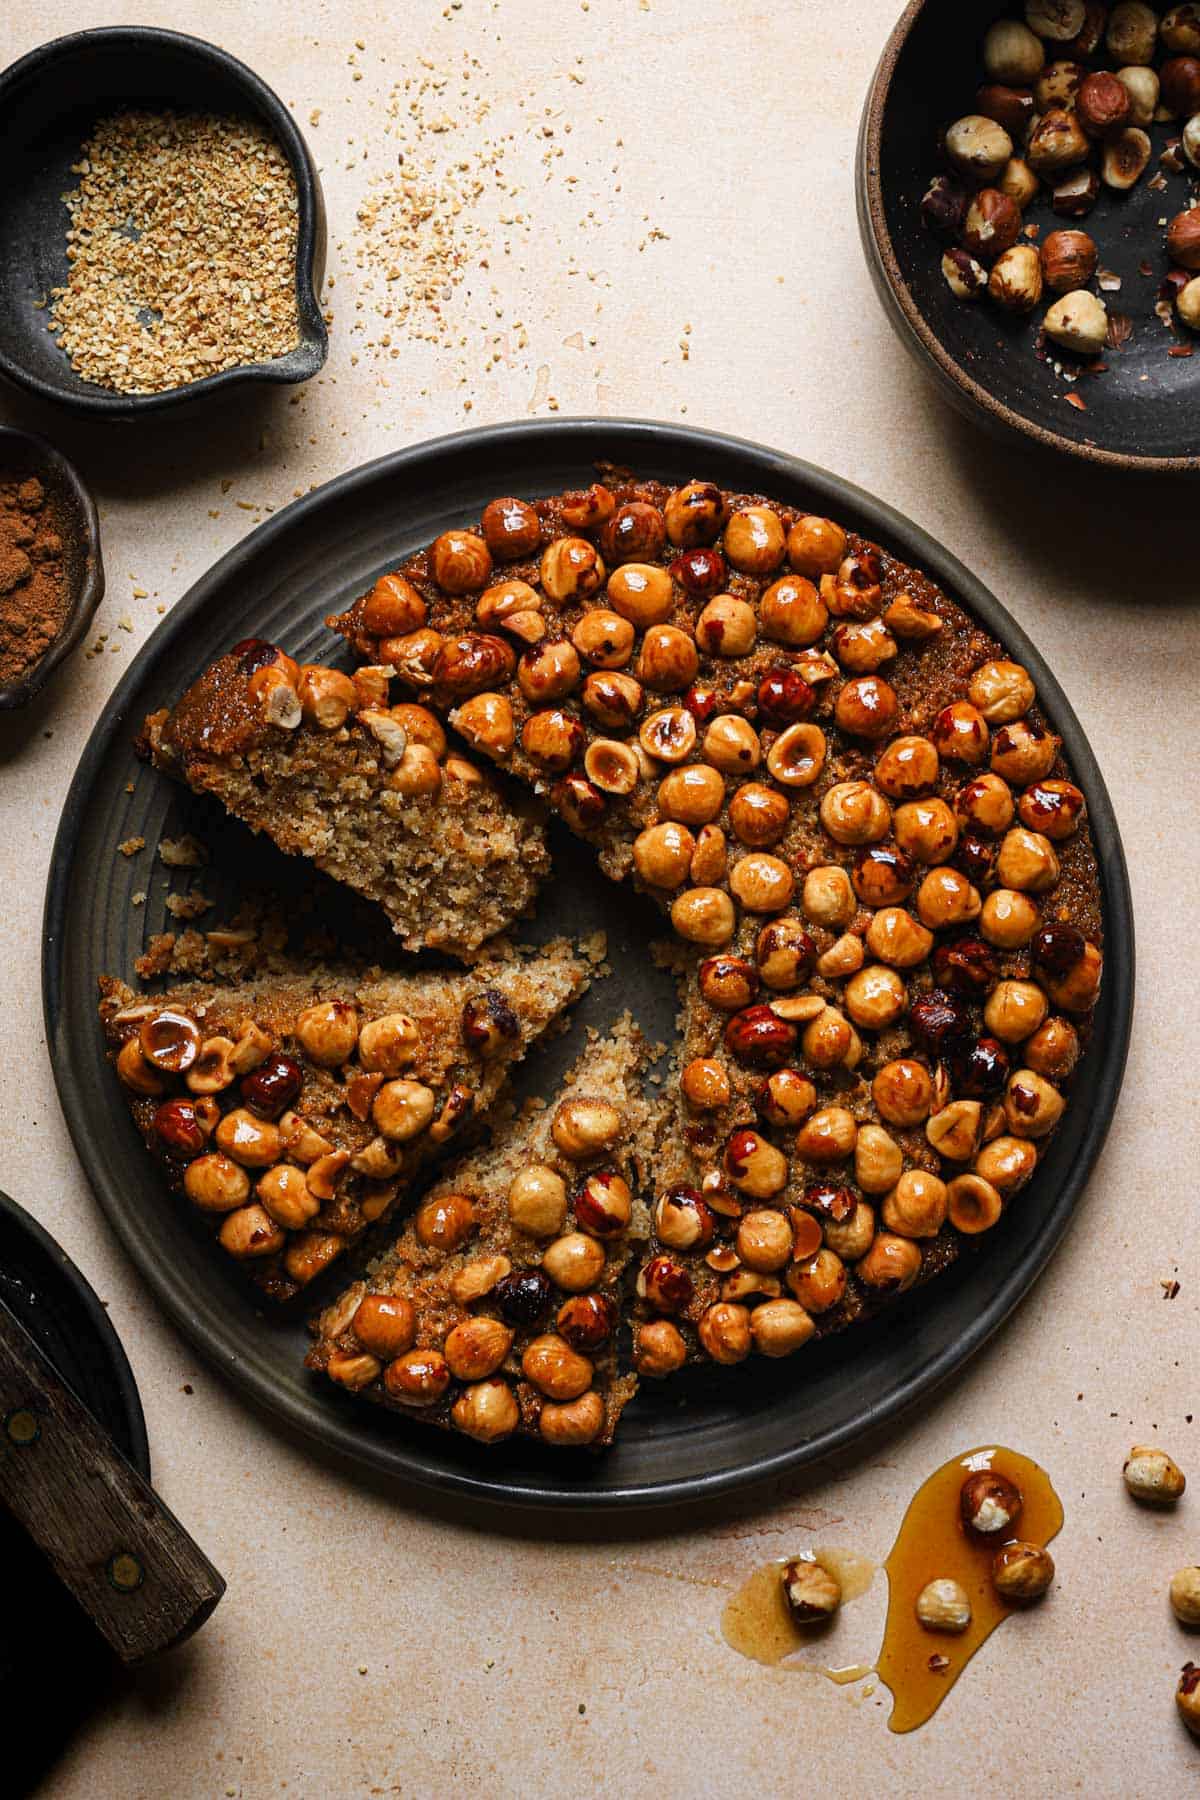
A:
[1027,179]
[51,573]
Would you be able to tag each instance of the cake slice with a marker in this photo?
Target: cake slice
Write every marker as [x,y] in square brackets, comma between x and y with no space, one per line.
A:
[370,793]
[294,1108]
[497,1309]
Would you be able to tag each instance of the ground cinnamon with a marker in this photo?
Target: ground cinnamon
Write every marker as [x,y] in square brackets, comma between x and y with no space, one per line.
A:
[33,588]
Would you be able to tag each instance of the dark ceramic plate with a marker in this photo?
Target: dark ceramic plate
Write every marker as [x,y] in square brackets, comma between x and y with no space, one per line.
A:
[22,455]
[710,1432]
[1143,412]
[47,1645]
[49,101]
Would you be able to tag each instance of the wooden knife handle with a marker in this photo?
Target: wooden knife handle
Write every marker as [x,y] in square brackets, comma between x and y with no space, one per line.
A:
[109,1538]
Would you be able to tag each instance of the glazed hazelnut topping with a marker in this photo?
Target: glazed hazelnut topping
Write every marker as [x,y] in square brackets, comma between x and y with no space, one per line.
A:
[843,795]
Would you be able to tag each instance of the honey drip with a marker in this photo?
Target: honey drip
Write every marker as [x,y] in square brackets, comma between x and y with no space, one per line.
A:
[757,1623]
[932,1543]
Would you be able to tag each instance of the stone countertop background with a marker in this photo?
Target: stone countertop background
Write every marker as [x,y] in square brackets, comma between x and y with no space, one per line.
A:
[682,244]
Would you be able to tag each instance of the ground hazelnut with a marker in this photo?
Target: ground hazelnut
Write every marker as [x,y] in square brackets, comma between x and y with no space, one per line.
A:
[704,915]
[417,1378]
[487,1411]
[1015,282]
[1124,158]
[385,1324]
[797,756]
[1011,52]
[1078,322]
[943,1605]
[989,1502]
[571,569]
[977,147]
[1068,260]
[1153,1477]
[659,1349]
[215,1183]
[585,1127]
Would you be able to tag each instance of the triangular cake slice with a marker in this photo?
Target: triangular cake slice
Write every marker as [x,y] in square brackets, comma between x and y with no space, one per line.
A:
[372,794]
[497,1309]
[294,1109]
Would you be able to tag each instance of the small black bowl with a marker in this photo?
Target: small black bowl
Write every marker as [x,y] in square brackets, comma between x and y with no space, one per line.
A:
[49,101]
[21,456]
[1143,413]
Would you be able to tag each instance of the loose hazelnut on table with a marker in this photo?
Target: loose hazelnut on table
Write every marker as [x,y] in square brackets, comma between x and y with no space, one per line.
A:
[943,1605]
[977,147]
[1184,1594]
[1187,1697]
[1152,1477]
[989,1502]
[812,1594]
[1015,282]
[1022,1571]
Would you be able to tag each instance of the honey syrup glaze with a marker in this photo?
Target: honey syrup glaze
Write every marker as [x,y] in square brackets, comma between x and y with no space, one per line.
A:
[758,1623]
[921,1666]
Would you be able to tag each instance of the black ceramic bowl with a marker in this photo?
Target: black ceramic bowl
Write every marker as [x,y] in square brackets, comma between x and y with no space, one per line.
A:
[49,101]
[1143,413]
[22,456]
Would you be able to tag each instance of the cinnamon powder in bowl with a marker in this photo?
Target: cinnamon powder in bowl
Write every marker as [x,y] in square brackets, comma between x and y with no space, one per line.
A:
[51,577]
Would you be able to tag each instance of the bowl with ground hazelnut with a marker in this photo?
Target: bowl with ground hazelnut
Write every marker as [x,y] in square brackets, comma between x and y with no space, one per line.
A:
[1024,181]
[162,231]
[812,755]
[51,573]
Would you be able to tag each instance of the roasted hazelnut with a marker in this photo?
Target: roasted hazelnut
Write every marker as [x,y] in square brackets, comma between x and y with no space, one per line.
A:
[1057,142]
[549,671]
[1187,304]
[728,982]
[815,546]
[1124,158]
[476,1348]
[384,1324]
[939,1022]
[989,1502]
[1152,1476]
[1051,807]
[572,569]
[845,957]
[1018,181]
[1179,31]
[758,815]
[170,1041]
[972,1204]
[830,1041]
[977,147]
[784,951]
[992,224]
[668,660]
[460,562]
[705,1084]
[1027,861]
[587,509]
[603,1204]
[445,1222]
[1075,989]
[1003,691]
[853,813]
[665,1284]
[636,533]
[285,1194]
[1073,196]
[1006,1163]
[897,939]
[780,1327]
[555,1369]
[1180,81]
[727,626]
[710,858]
[1015,282]
[700,572]
[1011,52]
[864,648]
[759,1039]
[916,1206]
[402,1109]
[1056,86]
[1022,1571]
[819,1282]
[1023,753]
[511,529]
[1053,1050]
[851,1237]
[579,802]
[704,915]
[960,733]
[724,1332]
[1184,1595]
[1183,238]
[926,829]
[786,1097]
[797,756]
[662,854]
[828,897]
[215,1183]
[943,1605]
[867,707]
[574,1423]
[827,1136]
[613,699]
[1132,32]
[1103,104]
[273,1086]
[792,612]
[764,1240]
[965,277]
[875,997]
[1032,1106]
[524,1296]
[603,638]
[1068,260]
[250,1232]
[883,875]
[668,735]
[537,1200]
[784,696]
[891,1264]
[552,739]
[1057,20]
[585,1127]
[754,1165]
[981,1069]
[251,1141]
[812,1594]
[418,1377]
[326,696]
[908,768]
[682,1220]
[985,804]
[945,897]
[732,744]
[658,1349]
[393,608]
[878,1161]
[964,966]
[1014,1010]
[487,1411]
[1078,322]
[576,1261]
[693,795]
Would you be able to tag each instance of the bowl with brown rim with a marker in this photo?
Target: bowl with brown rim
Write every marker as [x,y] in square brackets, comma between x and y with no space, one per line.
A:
[1140,411]
[22,457]
[49,101]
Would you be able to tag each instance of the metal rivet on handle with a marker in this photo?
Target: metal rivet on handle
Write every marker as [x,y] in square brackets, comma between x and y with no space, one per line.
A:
[125,1572]
[21,1426]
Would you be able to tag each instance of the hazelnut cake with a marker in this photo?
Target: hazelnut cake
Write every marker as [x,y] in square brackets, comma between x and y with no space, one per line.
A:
[294,1108]
[877,865]
[371,793]
[497,1309]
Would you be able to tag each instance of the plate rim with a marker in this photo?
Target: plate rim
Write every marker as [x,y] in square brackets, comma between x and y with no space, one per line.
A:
[584,438]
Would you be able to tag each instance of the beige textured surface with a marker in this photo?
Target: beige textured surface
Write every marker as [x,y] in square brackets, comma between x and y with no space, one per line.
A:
[364,1648]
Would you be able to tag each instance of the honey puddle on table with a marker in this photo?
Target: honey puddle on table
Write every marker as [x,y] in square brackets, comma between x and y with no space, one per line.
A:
[919,1666]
